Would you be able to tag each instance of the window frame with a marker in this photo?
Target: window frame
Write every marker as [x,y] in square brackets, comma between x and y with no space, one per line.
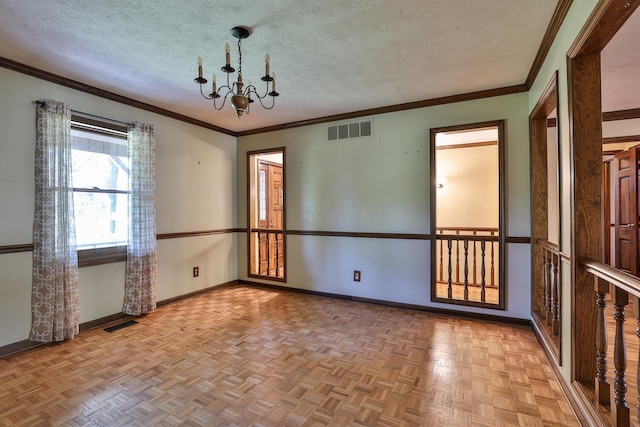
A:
[108,254]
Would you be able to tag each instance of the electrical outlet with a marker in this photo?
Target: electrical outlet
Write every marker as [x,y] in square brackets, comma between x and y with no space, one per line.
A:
[196,271]
[356,275]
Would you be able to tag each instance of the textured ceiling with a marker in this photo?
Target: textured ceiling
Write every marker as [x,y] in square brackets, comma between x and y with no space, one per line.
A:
[620,62]
[330,56]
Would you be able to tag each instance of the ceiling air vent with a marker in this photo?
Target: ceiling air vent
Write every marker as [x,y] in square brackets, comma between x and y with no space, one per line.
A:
[361,129]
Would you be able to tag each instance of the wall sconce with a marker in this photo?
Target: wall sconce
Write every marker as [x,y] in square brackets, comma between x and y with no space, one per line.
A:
[440,182]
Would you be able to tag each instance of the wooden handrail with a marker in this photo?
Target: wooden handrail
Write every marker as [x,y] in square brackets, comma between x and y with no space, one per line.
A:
[483,229]
[468,238]
[266,230]
[614,276]
[549,246]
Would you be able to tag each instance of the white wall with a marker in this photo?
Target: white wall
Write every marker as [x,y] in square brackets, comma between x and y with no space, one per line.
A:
[381,184]
[195,187]
[470,196]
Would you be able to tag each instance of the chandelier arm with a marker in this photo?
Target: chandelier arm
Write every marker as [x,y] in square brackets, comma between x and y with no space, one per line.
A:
[254,90]
[273,102]
[224,99]
[203,95]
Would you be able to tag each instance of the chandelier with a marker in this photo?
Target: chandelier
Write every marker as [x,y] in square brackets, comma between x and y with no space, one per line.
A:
[242,96]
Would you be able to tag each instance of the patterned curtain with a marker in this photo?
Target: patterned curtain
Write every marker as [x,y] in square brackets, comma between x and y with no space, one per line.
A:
[141,280]
[55,300]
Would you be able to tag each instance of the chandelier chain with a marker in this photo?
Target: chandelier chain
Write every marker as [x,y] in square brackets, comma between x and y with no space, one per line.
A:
[239,56]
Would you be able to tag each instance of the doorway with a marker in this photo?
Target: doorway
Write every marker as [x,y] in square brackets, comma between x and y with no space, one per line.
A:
[266,205]
[467,215]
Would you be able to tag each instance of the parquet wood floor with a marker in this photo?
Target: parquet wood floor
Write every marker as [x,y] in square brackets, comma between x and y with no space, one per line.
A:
[491,293]
[242,356]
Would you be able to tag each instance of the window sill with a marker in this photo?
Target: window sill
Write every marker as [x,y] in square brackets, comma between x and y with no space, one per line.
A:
[98,256]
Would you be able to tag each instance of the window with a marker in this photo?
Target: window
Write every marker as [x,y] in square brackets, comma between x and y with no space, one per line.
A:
[100,191]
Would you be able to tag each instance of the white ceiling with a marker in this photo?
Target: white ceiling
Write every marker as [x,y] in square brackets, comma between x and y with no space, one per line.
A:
[330,56]
[620,62]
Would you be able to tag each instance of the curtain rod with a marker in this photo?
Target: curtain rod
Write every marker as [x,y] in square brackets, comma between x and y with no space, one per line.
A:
[39,102]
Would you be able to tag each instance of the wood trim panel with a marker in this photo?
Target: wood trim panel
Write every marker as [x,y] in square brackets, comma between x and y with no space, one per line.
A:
[28,247]
[424,308]
[79,121]
[585,120]
[408,236]
[12,249]
[82,87]
[518,239]
[98,256]
[73,84]
[359,234]
[611,116]
[470,145]
[586,398]
[182,234]
[392,108]
[539,180]
[604,22]
[620,139]
[19,347]
[103,321]
[552,30]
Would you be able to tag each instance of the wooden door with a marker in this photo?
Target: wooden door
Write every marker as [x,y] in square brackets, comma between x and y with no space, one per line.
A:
[270,218]
[626,210]
[276,203]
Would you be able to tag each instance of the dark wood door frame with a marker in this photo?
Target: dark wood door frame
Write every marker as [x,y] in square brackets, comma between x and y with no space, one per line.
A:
[539,124]
[502,212]
[251,155]
[585,128]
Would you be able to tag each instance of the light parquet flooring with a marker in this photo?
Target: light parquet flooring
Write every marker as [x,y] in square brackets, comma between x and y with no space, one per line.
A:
[491,293]
[243,356]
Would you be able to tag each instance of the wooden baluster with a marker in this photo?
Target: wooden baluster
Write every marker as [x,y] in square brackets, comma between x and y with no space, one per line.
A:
[555,298]
[475,280]
[492,263]
[466,269]
[450,288]
[441,265]
[620,409]
[259,253]
[457,256]
[603,388]
[547,304]
[268,273]
[543,297]
[483,295]
[277,258]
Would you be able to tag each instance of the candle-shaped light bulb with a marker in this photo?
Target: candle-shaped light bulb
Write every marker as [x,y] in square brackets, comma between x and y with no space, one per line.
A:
[273,83]
[227,49]
[213,80]
[199,67]
[249,89]
[267,58]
